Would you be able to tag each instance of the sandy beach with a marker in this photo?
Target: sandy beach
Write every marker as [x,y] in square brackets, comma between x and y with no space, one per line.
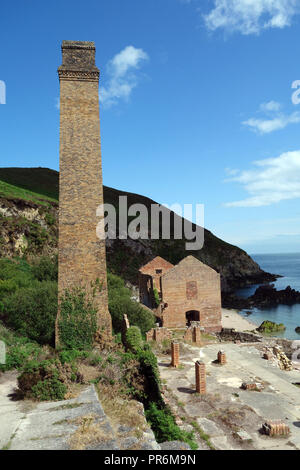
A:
[232,319]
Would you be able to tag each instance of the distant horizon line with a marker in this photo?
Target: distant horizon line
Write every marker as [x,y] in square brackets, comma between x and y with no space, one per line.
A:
[271,254]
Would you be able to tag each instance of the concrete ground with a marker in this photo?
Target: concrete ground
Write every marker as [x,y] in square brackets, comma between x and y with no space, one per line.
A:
[231,416]
[78,423]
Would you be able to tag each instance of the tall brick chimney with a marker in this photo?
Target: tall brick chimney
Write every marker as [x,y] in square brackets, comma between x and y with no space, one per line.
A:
[82,257]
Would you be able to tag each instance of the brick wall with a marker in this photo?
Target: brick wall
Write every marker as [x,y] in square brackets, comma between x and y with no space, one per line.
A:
[158,334]
[149,279]
[192,286]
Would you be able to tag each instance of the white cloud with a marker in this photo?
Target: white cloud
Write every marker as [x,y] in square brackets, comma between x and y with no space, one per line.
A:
[274,180]
[270,106]
[250,16]
[122,77]
[273,119]
[265,126]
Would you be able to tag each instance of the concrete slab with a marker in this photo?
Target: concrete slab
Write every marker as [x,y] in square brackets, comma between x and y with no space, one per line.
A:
[209,427]
[242,409]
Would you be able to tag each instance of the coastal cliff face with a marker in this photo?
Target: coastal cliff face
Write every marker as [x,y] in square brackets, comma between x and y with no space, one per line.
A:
[29,226]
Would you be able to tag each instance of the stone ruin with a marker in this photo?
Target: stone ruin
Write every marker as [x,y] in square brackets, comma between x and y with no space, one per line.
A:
[158,334]
[193,333]
[276,355]
[200,375]
[275,428]
[175,358]
[222,357]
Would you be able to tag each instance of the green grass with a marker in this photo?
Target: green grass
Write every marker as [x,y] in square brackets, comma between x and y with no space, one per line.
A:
[205,437]
[9,191]
[36,182]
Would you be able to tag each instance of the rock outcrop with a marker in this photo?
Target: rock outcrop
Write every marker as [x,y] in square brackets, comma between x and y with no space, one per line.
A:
[265,296]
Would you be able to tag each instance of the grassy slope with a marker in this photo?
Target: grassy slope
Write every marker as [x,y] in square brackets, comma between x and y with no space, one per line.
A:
[31,184]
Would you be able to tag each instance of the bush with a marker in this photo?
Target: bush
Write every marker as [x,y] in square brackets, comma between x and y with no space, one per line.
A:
[70,355]
[19,349]
[120,303]
[42,380]
[137,315]
[165,428]
[32,311]
[14,274]
[134,340]
[46,269]
[77,320]
[49,389]
[156,297]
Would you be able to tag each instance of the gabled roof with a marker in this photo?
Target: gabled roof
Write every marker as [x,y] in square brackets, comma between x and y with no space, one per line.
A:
[156,263]
[193,263]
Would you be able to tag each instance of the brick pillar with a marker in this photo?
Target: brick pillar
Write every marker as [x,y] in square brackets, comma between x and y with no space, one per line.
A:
[222,357]
[197,335]
[175,354]
[200,377]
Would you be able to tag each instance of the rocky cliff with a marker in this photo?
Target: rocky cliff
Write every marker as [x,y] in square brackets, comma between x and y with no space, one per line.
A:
[29,226]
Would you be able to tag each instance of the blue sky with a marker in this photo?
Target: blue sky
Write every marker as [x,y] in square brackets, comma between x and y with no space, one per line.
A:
[193,93]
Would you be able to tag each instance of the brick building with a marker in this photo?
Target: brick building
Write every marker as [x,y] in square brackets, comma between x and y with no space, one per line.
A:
[189,291]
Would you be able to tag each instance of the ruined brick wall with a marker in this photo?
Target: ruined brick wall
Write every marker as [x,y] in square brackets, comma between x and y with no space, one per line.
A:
[149,279]
[193,334]
[82,257]
[158,334]
[192,286]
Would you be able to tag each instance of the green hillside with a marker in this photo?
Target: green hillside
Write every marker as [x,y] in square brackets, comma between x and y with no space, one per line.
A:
[31,184]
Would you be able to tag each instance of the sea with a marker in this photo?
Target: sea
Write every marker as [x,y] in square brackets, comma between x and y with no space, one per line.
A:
[288,266]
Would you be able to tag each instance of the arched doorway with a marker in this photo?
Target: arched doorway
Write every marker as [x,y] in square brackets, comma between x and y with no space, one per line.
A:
[192,315]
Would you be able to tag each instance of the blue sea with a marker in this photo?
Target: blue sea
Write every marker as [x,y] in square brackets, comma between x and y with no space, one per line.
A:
[288,265]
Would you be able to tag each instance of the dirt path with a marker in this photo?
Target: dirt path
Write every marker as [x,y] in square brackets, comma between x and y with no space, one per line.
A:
[11,412]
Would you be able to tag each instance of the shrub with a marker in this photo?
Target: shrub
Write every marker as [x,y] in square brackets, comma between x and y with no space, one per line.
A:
[46,269]
[134,340]
[137,315]
[70,355]
[77,320]
[19,349]
[165,428]
[14,274]
[49,389]
[43,380]
[32,311]
[156,296]
[120,303]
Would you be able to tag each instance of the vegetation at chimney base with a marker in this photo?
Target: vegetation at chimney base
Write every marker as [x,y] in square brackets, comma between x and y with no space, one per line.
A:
[77,321]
